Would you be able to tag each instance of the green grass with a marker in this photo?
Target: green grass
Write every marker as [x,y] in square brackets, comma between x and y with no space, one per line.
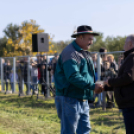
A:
[25,115]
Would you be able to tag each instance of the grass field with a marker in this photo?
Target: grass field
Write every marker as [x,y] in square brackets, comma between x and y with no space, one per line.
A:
[25,115]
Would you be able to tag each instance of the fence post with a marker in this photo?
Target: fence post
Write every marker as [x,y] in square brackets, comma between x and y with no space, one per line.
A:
[2,75]
[47,78]
[28,77]
[99,73]
[14,73]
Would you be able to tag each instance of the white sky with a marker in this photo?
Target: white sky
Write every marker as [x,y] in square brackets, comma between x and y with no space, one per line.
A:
[60,17]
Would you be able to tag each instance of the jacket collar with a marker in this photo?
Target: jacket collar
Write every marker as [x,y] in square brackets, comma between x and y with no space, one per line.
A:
[128,52]
[76,46]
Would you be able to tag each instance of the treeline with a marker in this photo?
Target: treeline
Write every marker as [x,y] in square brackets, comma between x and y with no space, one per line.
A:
[17,41]
[110,43]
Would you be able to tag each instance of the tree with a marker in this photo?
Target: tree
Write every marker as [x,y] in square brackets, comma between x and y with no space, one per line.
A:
[59,46]
[98,43]
[12,32]
[26,30]
[110,43]
[3,42]
[22,45]
[115,43]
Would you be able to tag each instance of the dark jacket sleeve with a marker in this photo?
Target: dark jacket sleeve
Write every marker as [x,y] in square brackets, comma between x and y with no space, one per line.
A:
[127,76]
[106,88]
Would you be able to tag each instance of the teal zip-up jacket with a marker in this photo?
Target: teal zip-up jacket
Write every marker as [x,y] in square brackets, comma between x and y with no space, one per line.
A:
[74,75]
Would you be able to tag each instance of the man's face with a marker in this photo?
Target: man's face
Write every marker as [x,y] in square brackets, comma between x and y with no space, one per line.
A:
[86,41]
[3,61]
[94,57]
[104,57]
[45,57]
[110,59]
[8,63]
[57,57]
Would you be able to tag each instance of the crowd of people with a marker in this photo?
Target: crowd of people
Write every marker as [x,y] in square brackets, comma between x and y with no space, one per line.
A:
[109,69]
[37,69]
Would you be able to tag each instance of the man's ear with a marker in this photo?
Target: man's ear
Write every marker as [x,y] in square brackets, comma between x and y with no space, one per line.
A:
[81,37]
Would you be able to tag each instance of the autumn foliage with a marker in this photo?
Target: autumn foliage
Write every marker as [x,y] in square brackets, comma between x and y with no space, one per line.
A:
[22,45]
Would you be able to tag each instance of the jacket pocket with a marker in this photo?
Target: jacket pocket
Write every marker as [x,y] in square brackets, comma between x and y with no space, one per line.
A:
[126,93]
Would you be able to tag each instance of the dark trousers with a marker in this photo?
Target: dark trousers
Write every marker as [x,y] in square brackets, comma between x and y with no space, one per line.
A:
[43,85]
[44,89]
[7,80]
[128,114]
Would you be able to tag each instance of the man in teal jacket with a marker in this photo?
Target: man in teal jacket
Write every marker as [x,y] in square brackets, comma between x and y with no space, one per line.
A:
[74,81]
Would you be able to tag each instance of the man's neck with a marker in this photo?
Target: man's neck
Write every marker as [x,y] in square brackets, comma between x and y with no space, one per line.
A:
[77,42]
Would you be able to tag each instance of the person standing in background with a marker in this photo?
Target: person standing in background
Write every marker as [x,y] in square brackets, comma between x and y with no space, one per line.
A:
[123,85]
[34,76]
[7,72]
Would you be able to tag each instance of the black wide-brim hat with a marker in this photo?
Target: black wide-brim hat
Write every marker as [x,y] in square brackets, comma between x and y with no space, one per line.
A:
[84,29]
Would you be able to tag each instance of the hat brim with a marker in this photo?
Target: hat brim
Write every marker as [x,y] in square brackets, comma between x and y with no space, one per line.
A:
[92,33]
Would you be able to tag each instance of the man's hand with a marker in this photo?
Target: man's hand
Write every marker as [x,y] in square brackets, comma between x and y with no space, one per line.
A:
[106,83]
[98,88]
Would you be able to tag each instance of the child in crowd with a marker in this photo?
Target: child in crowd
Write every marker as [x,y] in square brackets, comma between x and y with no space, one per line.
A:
[109,73]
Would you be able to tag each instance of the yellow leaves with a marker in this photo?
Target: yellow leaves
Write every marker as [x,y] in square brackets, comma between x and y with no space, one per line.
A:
[24,43]
[20,53]
[49,42]
[29,28]
[22,46]
[28,36]
[16,47]
[23,28]
[52,46]
[28,48]
[5,52]
[12,45]
[50,50]
[34,53]
[35,29]
[16,53]
[40,31]
[9,41]
[21,31]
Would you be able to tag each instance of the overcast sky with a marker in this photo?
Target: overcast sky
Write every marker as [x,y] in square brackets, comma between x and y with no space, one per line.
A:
[61,17]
